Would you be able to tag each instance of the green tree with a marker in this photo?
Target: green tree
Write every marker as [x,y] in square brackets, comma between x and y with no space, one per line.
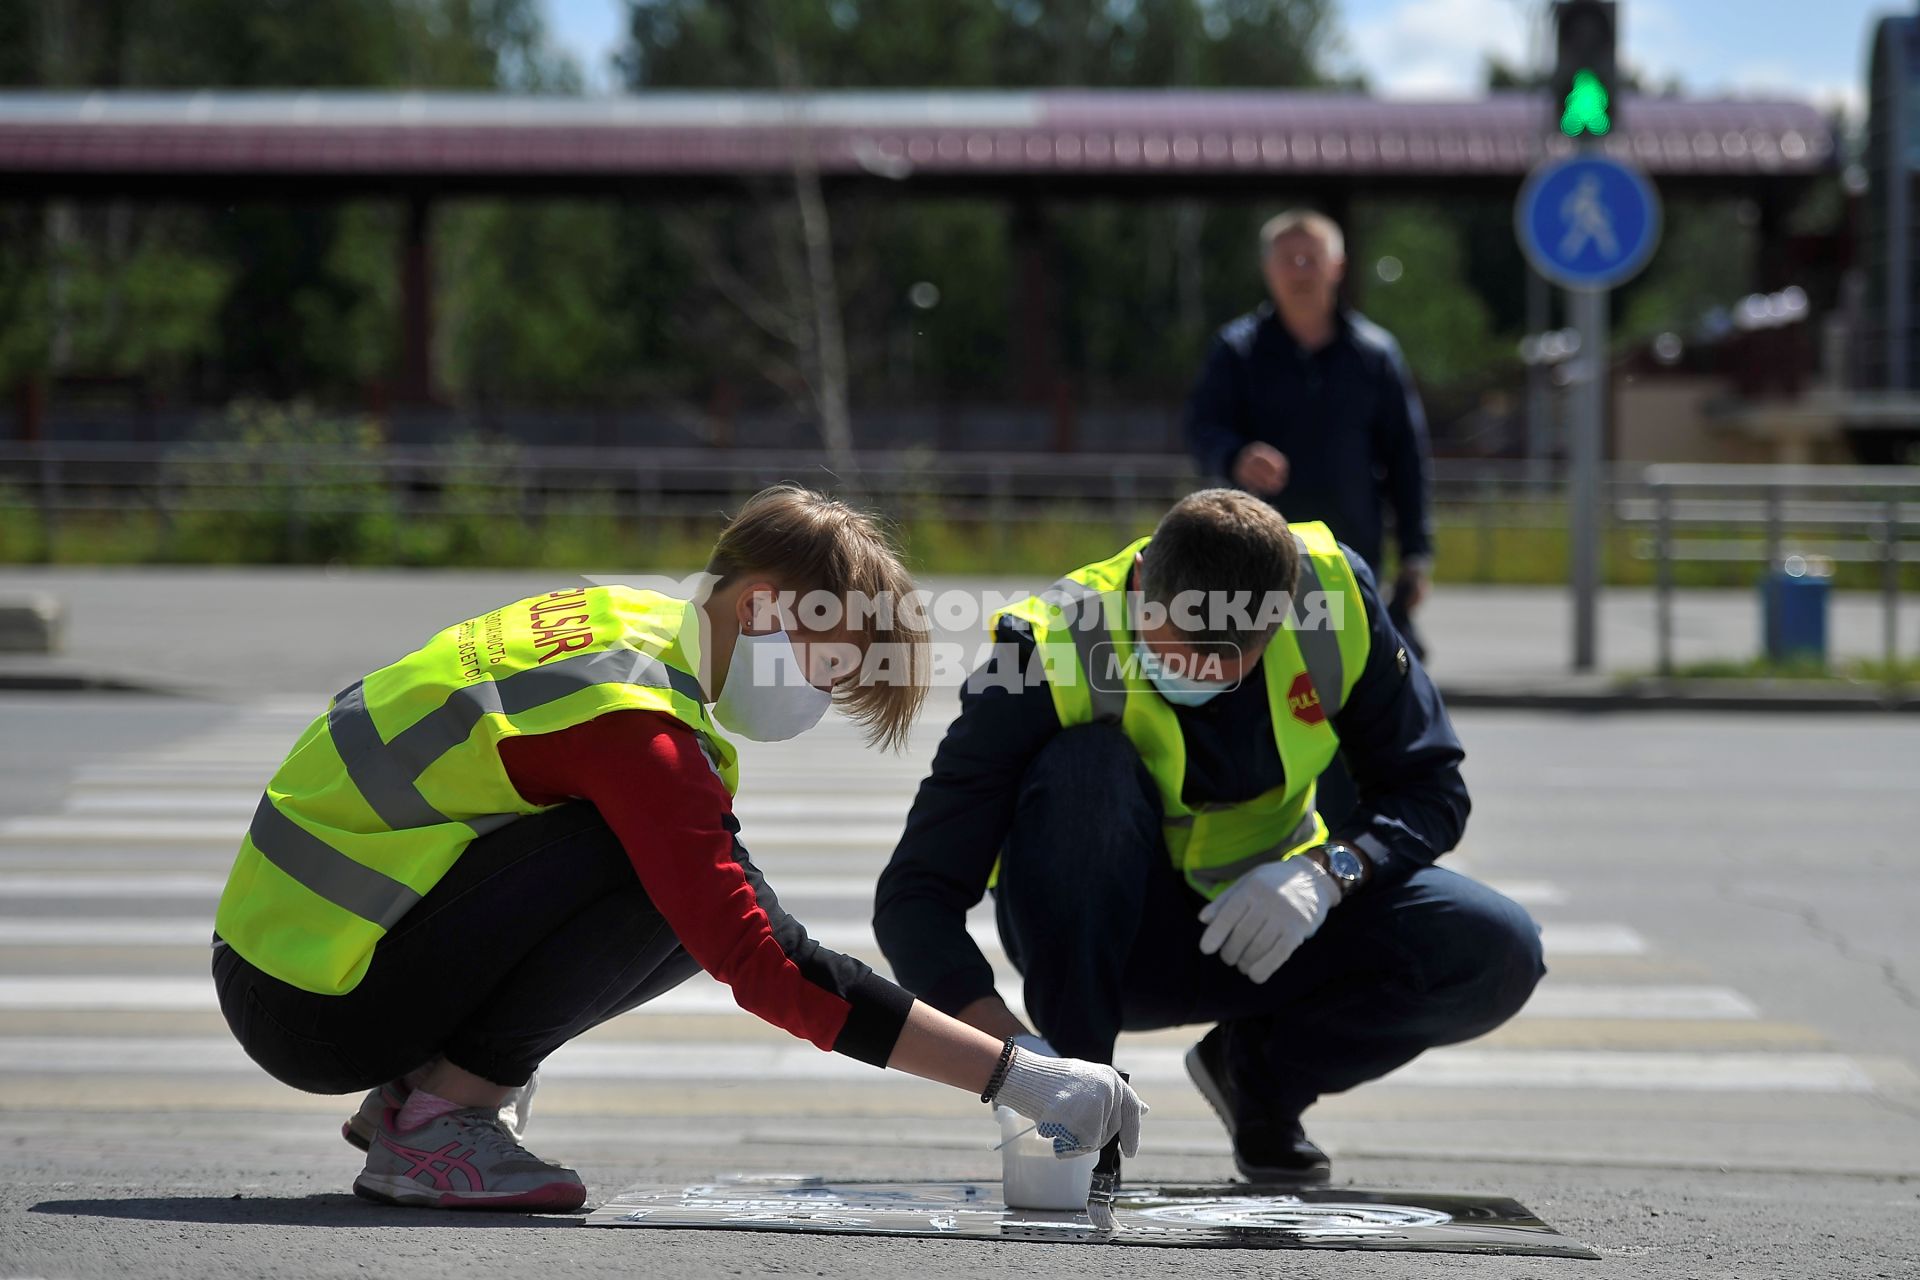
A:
[1139,287]
[259,297]
[530,310]
[1422,297]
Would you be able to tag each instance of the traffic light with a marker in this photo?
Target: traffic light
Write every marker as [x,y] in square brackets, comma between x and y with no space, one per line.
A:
[1585,101]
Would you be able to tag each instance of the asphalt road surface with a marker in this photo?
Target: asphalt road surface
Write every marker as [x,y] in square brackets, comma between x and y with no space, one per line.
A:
[1718,1078]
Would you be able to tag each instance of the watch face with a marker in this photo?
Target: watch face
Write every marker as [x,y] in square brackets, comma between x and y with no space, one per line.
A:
[1344,863]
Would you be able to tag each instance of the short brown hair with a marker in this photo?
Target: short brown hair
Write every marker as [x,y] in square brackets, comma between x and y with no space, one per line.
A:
[1219,542]
[809,541]
[1317,225]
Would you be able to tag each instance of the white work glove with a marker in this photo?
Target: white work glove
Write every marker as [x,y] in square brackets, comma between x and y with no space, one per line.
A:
[1080,1105]
[1267,914]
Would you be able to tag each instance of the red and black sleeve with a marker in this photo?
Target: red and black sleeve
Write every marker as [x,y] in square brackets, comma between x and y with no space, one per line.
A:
[649,779]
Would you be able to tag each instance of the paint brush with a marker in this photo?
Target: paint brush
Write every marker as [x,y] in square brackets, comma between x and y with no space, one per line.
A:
[1106,1181]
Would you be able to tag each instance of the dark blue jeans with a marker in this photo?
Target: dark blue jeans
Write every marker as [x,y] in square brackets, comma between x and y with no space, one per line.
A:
[1107,937]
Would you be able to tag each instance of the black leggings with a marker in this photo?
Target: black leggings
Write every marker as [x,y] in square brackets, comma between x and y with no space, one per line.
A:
[540,931]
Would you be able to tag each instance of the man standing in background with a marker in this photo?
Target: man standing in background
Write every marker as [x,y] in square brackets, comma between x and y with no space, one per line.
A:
[1310,406]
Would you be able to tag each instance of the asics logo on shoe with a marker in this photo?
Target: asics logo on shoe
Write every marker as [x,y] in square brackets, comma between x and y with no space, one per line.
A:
[439,1165]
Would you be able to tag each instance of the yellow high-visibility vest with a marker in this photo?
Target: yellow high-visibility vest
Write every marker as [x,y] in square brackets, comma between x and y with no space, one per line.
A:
[1080,624]
[382,794]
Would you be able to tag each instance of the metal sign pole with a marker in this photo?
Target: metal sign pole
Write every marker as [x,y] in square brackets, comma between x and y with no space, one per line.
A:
[1589,307]
[1588,223]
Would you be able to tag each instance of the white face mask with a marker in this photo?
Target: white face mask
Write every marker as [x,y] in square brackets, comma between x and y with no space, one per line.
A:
[1169,676]
[767,697]
[1184,692]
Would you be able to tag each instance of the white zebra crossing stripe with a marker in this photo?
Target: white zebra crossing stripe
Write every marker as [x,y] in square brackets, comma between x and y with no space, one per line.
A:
[249,771]
[821,832]
[206,888]
[702,995]
[168,995]
[823,888]
[1148,1064]
[1615,1069]
[1529,893]
[239,806]
[1553,1000]
[142,931]
[135,831]
[1576,939]
[796,887]
[1564,940]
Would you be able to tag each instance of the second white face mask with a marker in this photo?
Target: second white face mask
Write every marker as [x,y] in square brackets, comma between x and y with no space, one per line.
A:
[767,697]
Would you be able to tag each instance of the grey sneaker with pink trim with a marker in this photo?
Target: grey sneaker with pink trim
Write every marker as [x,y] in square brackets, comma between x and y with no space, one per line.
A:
[463,1160]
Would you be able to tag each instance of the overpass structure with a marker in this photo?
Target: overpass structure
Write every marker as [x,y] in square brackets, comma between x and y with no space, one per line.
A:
[1026,148]
[1059,143]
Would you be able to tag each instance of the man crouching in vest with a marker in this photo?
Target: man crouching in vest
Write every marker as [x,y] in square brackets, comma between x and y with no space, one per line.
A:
[1133,774]
[525,828]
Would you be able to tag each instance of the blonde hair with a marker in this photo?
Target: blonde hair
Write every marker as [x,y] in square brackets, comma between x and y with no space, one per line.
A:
[808,541]
[1317,225]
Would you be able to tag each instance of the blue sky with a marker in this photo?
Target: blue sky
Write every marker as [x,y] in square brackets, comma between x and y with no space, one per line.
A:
[1427,48]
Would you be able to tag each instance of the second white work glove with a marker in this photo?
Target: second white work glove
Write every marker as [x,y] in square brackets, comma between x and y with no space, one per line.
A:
[1080,1105]
[1262,920]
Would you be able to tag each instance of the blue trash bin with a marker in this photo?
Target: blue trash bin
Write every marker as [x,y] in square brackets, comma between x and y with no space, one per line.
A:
[1793,611]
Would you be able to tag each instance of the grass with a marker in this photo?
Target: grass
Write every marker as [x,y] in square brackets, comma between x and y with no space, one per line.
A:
[1522,553]
[490,529]
[586,535]
[1903,673]
[576,540]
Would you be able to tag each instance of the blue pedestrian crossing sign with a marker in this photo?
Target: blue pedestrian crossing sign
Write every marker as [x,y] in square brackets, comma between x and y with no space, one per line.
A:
[1587,222]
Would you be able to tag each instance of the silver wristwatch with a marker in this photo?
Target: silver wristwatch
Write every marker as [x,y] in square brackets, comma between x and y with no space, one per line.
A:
[1346,864]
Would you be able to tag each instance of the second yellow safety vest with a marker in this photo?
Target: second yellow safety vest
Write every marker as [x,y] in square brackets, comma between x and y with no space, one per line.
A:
[1310,666]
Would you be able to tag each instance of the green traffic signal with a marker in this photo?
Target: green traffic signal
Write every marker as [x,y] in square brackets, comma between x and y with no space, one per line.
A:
[1586,107]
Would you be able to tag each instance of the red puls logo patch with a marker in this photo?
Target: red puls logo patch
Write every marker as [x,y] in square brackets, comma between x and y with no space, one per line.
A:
[1304,701]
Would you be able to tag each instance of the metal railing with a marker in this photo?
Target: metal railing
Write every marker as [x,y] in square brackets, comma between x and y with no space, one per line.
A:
[1479,500]
[59,478]
[1856,515]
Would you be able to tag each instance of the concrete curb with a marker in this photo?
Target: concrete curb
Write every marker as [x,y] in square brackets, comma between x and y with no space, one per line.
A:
[1685,695]
[20,679]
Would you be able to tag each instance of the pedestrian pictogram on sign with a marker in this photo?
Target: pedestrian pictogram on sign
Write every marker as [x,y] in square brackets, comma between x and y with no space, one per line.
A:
[1588,222]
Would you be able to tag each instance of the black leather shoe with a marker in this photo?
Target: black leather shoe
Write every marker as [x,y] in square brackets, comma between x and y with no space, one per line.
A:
[1266,1148]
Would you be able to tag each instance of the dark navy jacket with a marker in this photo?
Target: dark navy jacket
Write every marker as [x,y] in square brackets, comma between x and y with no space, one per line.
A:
[1346,416]
[1395,738]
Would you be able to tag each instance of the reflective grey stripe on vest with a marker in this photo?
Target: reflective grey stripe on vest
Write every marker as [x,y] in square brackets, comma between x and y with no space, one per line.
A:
[1234,870]
[389,792]
[417,746]
[1319,645]
[324,870]
[385,772]
[1087,621]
